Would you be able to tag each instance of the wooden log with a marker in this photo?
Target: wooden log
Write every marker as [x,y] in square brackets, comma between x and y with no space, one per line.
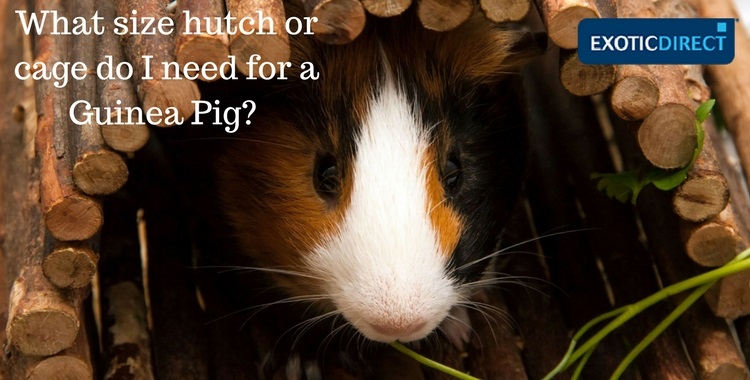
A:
[731,83]
[667,137]
[156,92]
[70,265]
[505,10]
[68,214]
[386,8]
[708,339]
[714,242]
[17,122]
[635,92]
[201,45]
[96,170]
[705,191]
[561,18]
[581,79]
[116,94]
[272,45]
[711,345]
[42,319]
[697,88]
[73,363]
[339,21]
[443,15]
[126,340]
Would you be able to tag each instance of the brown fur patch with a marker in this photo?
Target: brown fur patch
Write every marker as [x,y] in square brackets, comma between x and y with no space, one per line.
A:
[445,221]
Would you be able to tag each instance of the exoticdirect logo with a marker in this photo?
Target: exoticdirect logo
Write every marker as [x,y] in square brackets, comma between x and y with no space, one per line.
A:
[656,41]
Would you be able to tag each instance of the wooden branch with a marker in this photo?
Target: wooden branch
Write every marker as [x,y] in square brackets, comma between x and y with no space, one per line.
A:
[339,21]
[96,170]
[271,47]
[200,46]
[581,79]
[443,15]
[17,193]
[505,10]
[42,319]
[386,8]
[708,339]
[635,93]
[705,192]
[714,242]
[157,93]
[126,340]
[116,93]
[73,363]
[731,83]
[667,136]
[711,345]
[561,18]
[70,265]
[68,214]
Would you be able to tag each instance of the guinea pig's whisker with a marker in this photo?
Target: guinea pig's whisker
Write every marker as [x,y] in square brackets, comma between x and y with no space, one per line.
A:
[299,329]
[503,278]
[239,268]
[261,307]
[505,250]
[243,139]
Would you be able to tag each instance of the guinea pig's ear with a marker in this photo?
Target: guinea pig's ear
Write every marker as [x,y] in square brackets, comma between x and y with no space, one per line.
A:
[527,47]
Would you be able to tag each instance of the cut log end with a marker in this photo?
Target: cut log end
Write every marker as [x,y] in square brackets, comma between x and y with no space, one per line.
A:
[701,198]
[386,8]
[73,218]
[668,136]
[43,331]
[61,367]
[339,21]
[271,48]
[443,15]
[634,98]
[201,49]
[584,80]
[505,11]
[712,245]
[563,28]
[127,137]
[70,267]
[100,172]
[162,94]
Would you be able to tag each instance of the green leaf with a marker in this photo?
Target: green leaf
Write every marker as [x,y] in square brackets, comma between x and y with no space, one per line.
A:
[628,184]
[704,110]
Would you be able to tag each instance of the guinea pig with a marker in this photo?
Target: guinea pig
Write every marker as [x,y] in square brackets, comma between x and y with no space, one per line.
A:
[377,192]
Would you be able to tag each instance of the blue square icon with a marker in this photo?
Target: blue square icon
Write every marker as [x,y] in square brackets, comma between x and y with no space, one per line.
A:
[721,27]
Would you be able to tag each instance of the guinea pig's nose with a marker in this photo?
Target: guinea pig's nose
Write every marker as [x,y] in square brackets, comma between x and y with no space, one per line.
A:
[398,329]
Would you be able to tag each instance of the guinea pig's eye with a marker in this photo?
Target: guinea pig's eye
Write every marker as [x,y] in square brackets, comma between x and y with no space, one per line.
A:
[452,174]
[326,180]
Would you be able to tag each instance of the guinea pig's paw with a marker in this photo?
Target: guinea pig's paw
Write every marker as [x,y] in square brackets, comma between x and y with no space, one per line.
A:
[457,327]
